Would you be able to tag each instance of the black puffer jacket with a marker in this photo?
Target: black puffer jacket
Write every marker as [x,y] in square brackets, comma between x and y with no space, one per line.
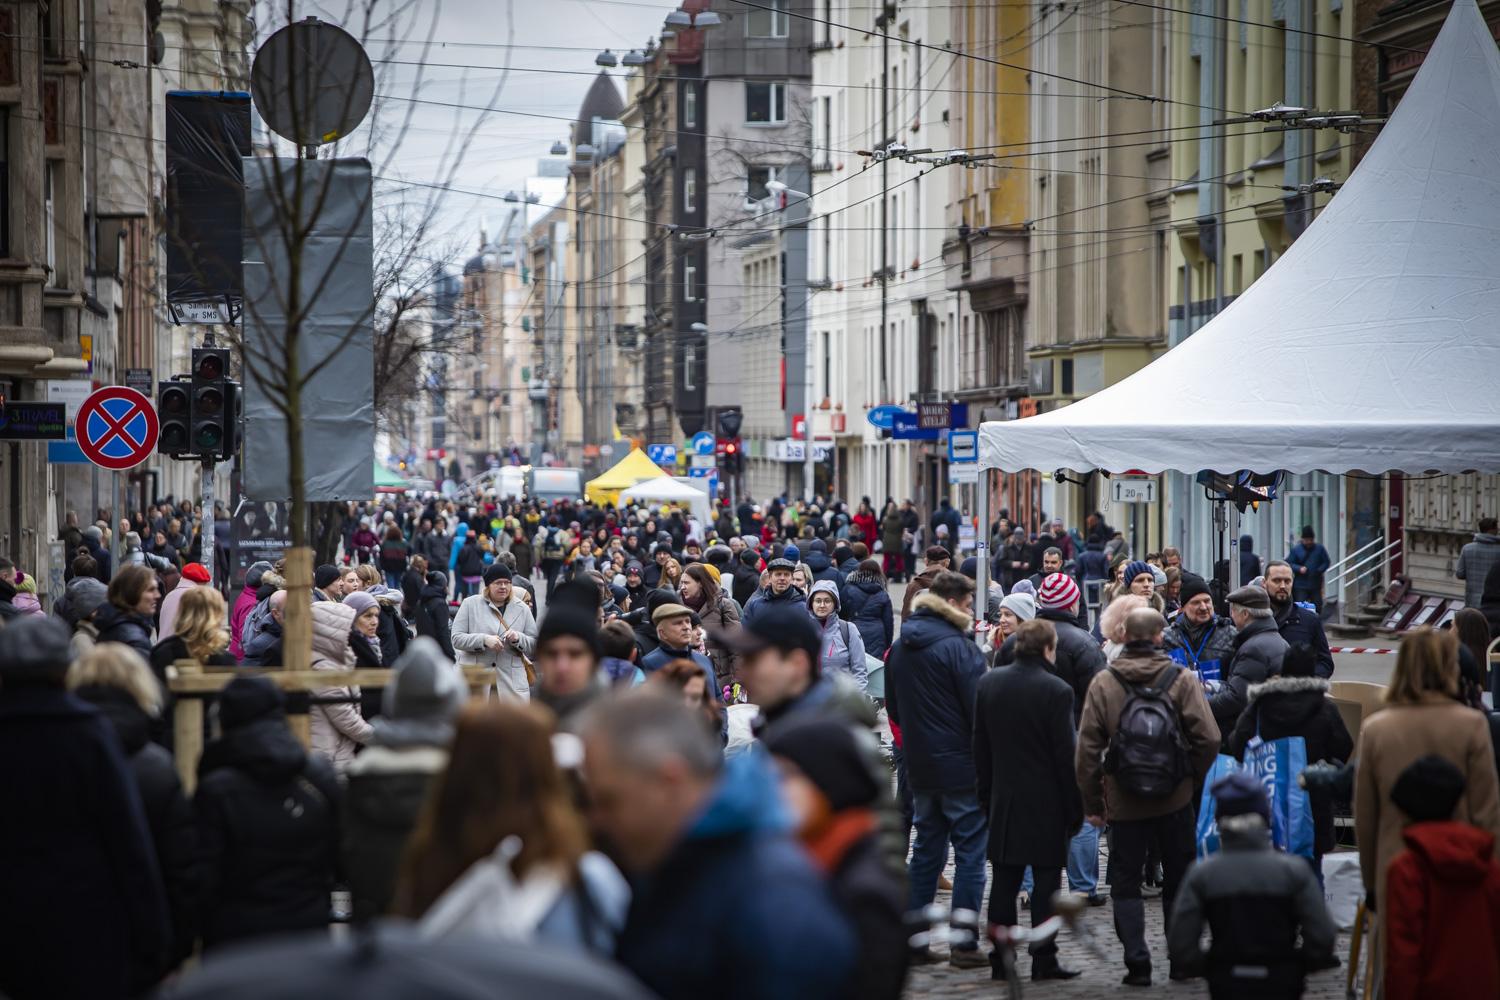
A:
[867,604]
[392,633]
[168,815]
[1079,657]
[932,678]
[267,821]
[129,627]
[433,618]
[1298,706]
[746,580]
[1258,652]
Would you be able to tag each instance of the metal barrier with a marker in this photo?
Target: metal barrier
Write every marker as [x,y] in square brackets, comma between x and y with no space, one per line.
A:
[194,685]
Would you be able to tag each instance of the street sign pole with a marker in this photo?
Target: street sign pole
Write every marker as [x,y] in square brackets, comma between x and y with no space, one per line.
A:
[206,545]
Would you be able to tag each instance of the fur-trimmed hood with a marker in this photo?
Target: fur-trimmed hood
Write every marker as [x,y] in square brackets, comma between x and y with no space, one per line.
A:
[1288,685]
[928,601]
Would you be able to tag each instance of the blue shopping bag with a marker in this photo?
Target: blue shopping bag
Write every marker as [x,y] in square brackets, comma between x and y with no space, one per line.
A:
[1277,763]
[1207,670]
[1207,837]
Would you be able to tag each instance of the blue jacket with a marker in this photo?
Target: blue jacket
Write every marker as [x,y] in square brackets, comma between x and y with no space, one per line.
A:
[932,677]
[866,603]
[764,597]
[1315,559]
[1301,624]
[822,567]
[459,535]
[738,883]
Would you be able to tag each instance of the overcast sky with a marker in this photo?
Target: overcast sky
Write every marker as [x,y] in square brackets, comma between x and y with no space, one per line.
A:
[466,71]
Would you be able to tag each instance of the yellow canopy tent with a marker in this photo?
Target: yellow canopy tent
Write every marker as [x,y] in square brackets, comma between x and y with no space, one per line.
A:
[633,468]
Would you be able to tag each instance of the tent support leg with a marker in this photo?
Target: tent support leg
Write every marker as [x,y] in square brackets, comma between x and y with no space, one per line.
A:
[982,545]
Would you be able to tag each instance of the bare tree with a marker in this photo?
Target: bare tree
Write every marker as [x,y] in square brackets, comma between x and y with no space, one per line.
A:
[308,225]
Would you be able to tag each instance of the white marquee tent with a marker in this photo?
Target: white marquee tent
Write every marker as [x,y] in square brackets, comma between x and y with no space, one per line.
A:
[1373,344]
[668,489]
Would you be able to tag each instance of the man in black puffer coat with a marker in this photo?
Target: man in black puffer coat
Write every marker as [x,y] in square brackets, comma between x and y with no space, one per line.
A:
[1258,652]
[267,819]
[1198,638]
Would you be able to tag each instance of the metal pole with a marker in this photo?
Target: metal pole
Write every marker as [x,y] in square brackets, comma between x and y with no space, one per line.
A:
[1234,545]
[207,550]
[809,475]
[982,545]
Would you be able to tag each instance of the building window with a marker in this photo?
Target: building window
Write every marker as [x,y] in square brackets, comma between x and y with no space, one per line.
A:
[765,103]
[756,183]
[769,20]
[690,368]
[689,283]
[49,225]
[827,109]
[689,105]
[689,189]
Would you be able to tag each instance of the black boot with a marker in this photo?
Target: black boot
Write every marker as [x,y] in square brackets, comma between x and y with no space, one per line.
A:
[1051,968]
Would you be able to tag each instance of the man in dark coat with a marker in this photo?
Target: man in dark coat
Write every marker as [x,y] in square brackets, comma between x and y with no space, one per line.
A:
[1309,561]
[1079,657]
[1023,755]
[746,569]
[714,872]
[1298,622]
[1258,652]
[932,675]
[778,591]
[821,565]
[84,911]
[267,818]
[1197,638]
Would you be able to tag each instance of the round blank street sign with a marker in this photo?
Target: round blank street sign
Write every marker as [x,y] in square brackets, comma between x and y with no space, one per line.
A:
[116,428]
[312,82]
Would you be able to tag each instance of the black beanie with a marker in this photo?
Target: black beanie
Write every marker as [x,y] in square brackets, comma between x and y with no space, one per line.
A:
[496,571]
[324,576]
[1192,586]
[828,754]
[246,699]
[1300,661]
[1429,789]
[572,610]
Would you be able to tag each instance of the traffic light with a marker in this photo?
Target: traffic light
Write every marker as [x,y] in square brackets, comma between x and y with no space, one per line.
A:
[173,410]
[733,452]
[212,405]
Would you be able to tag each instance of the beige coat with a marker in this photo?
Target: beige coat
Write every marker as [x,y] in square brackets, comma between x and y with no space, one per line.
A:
[477,621]
[337,728]
[1101,717]
[1390,741]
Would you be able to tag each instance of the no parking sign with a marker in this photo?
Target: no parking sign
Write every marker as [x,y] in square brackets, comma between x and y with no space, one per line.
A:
[116,428]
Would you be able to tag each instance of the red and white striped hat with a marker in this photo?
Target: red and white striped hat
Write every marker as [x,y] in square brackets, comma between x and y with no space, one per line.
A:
[1059,592]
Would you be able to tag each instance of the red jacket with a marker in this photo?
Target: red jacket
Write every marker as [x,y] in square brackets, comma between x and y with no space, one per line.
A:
[1442,914]
[866,525]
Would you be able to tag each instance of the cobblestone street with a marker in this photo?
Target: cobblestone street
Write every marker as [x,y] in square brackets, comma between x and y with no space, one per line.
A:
[1101,972]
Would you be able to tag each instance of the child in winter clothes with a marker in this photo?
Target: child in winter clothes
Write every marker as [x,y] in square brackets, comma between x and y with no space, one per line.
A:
[1442,905]
[1254,900]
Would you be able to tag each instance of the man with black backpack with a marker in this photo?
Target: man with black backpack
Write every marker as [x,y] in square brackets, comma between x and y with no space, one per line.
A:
[1146,739]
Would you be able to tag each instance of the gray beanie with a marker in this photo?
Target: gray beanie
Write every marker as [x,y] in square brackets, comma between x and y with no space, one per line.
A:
[85,594]
[256,572]
[1023,606]
[424,696]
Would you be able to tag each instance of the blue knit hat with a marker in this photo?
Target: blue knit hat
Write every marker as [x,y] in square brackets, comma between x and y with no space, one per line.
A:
[1136,568]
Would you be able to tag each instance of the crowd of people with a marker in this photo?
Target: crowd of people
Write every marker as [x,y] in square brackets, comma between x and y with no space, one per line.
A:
[675,761]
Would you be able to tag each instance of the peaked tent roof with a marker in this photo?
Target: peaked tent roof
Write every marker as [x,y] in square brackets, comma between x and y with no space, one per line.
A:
[634,468]
[1373,344]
